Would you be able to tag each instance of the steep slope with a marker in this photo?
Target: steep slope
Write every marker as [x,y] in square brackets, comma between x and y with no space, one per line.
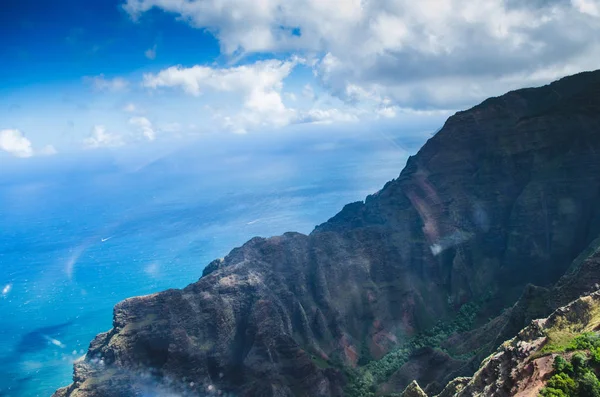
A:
[582,277]
[506,194]
[523,365]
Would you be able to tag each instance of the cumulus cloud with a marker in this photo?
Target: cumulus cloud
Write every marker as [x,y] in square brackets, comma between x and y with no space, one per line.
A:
[141,129]
[259,84]
[100,138]
[102,83]
[144,127]
[258,26]
[419,54]
[14,142]
[328,116]
[262,75]
[388,111]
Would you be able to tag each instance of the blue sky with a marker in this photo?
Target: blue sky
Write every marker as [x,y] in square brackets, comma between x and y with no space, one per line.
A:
[59,42]
[124,74]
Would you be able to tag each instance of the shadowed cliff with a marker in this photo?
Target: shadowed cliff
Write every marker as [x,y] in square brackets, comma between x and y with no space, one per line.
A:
[506,194]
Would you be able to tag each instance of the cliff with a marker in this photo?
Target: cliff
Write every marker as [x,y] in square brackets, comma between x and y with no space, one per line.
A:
[396,288]
[525,364]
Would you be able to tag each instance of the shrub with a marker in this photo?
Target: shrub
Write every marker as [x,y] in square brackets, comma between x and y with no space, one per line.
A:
[563,383]
[589,385]
[595,356]
[585,341]
[562,366]
[550,392]
[579,362]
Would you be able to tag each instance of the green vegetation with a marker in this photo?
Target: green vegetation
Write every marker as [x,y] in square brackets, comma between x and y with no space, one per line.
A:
[565,341]
[562,366]
[589,385]
[560,385]
[575,332]
[364,381]
[577,378]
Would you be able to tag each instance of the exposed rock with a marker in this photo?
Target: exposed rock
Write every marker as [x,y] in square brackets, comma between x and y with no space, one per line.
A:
[413,390]
[581,278]
[212,266]
[506,194]
[454,387]
[519,367]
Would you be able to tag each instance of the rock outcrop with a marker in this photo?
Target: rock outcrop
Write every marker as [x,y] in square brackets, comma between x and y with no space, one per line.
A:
[520,367]
[413,390]
[506,194]
[582,277]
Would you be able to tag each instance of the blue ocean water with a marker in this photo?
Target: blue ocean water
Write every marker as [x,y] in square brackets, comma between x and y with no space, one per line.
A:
[79,235]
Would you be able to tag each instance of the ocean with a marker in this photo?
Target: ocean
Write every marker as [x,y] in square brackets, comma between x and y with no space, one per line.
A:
[81,233]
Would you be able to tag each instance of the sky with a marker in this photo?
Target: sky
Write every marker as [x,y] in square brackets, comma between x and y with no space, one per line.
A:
[82,76]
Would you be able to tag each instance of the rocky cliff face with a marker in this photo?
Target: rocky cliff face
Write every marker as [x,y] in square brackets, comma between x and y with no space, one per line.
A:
[523,365]
[506,194]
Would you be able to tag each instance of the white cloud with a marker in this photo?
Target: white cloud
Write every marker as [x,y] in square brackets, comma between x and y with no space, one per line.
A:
[144,126]
[388,111]
[13,142]
[101,138]
[259,26]
[262,75]
[259,84]
[141,130]
[259,87]
[328,116]
[150,53]
[101,83]
[419,54]
[591,7]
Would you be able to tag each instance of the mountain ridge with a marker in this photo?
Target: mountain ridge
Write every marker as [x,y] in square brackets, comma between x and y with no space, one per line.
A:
[508,183]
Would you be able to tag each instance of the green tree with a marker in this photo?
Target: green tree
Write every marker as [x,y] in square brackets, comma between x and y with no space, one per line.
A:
[579,362]
[550,392]
[595,356]
[588,385]
[562,366]
[563,383]
[585,341]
